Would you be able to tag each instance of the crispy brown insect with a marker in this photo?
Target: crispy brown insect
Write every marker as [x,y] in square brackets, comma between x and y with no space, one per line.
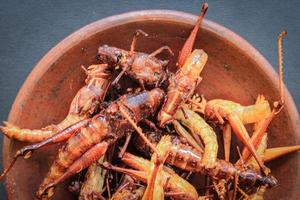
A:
[143,67]
[237,115]
[182,85]
[185,157]
[91,141]
[85,103]
[174,183]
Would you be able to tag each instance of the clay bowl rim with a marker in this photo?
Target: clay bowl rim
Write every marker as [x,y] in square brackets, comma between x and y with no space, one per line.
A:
[136,16]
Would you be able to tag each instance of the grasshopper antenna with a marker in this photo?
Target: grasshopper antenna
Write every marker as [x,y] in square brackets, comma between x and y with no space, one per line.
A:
[280,65]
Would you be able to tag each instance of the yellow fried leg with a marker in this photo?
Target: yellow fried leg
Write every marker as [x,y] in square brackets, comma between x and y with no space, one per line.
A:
[241,132]
[273,153]
[227,141]
[155,187]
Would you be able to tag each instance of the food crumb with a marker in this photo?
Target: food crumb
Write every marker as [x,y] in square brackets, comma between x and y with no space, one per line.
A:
[227,67]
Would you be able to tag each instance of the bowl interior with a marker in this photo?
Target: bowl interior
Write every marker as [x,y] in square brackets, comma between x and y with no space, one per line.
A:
[231,73]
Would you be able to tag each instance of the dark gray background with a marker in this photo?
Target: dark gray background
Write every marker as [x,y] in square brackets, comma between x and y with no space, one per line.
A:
[28,29]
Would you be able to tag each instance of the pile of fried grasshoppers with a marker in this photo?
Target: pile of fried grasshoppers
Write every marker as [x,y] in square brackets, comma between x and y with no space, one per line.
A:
[166,122]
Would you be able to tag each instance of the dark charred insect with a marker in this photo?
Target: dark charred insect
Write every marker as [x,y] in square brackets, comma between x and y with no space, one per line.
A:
[143,67]
[90,142]
[185,157]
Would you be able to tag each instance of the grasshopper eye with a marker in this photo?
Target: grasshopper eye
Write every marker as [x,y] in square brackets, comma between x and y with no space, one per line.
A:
[118,57]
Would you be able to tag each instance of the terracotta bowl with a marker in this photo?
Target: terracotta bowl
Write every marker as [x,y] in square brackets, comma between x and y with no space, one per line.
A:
[235,71]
